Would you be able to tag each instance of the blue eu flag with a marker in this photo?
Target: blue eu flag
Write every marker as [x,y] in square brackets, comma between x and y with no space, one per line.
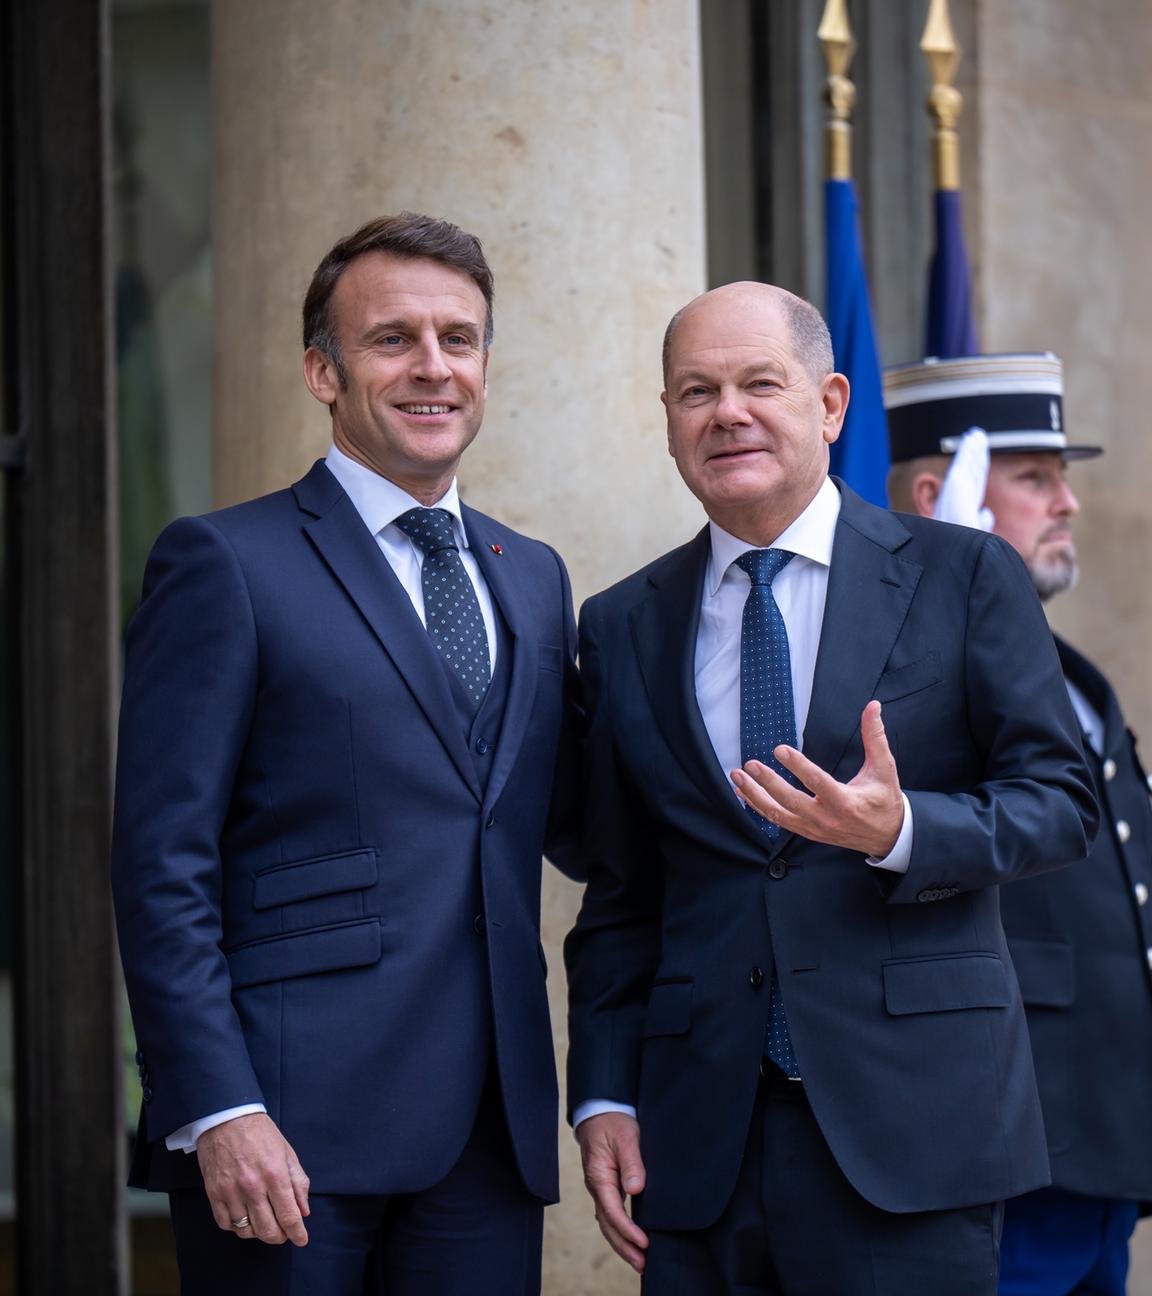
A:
[951,331]
[860,456]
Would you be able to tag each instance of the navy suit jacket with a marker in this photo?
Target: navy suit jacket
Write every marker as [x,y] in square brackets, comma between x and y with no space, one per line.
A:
[320,907]
[1080,940]
[901,1000]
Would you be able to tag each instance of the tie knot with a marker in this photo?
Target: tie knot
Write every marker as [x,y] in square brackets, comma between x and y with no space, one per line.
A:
[764,565]
[430,528]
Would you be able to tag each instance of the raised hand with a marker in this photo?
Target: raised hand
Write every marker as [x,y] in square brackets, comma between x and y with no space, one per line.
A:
[864,815]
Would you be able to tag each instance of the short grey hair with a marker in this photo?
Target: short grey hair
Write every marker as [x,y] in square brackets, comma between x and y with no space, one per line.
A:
[807,330]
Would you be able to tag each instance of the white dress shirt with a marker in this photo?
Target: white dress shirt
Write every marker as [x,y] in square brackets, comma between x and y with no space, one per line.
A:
[379,503]
[1091,722]
[800,590]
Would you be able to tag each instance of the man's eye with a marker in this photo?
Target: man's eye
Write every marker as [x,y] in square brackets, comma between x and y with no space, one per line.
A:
[457,340]
[762,384]
[693,393]
[392,339]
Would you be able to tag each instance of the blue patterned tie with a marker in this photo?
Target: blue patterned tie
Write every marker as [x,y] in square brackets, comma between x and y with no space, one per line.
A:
[767,719]
[451,608]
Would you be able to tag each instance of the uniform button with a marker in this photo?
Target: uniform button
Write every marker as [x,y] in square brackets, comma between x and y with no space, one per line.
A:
[478,924]
[756,978]
[1148,780]
[1141,893]
[1122,830]
[778,868]
[1148,956]
[147,1094]
[481,745]
[490,822]
[1109,769]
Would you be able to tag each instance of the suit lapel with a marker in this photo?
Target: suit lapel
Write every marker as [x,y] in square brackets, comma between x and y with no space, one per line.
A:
[354,558]
[503,575]
[664,628]
[870,590]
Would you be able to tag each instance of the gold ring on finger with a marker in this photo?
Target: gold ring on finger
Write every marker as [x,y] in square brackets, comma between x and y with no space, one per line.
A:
[242,1223]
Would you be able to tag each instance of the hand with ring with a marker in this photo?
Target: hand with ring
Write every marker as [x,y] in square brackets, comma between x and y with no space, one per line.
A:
[242,1223]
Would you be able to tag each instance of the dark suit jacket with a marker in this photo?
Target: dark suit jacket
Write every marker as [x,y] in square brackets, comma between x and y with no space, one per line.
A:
[1080,939]
[319,907]
[902,1004]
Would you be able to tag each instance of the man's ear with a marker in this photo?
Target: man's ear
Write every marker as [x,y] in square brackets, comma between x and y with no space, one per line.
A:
[925,492]
[836,393]
[668,425]
[321,376]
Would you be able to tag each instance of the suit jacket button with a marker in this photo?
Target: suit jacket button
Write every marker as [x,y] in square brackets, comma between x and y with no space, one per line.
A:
[756,978]
[481,745]
[1141,893]
[490,822]
[926,895]
[147,1094]
[1109,770]
[1123,832]
[139,1058]
[478,924]
[778,869]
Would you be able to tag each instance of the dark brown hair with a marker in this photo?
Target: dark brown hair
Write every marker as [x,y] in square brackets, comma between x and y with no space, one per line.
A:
[407,235]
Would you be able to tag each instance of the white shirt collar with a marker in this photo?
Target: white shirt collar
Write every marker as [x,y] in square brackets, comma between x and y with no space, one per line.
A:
[809,536]
[380,501]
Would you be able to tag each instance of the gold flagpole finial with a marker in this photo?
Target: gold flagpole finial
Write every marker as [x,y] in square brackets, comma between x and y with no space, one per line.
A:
[944,101]
[838,44]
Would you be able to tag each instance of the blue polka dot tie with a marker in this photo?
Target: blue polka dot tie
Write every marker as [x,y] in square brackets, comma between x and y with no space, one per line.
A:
[451,608]
[767,719]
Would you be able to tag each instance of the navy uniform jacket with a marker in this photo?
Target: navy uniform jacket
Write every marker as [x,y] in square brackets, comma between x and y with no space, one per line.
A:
[321,905]
[1081,940]
[901,1000]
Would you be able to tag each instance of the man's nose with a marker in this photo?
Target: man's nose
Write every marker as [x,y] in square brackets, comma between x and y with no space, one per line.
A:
[1066,504]
[428,363]
[731,409]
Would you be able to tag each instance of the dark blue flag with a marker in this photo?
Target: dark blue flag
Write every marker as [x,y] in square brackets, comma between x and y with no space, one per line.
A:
[860,456]
[951,331]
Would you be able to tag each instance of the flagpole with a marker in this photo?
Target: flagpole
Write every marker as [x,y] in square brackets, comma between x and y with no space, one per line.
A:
[951,329]
[860,455]
[945,102]
[839,46]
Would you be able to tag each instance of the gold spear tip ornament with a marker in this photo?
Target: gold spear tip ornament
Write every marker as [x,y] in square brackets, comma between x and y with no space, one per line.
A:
[839,46]
[945,102]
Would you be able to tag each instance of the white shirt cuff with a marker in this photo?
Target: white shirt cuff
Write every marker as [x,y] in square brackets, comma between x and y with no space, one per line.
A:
[900,856]
[597,1107]
[184,1140]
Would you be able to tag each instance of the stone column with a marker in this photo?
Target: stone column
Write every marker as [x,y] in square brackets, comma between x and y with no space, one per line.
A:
[568,138]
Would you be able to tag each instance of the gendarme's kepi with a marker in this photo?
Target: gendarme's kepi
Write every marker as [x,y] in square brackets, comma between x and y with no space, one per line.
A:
[1018,399]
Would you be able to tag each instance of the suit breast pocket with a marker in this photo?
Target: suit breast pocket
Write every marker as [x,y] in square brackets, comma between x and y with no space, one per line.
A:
[901,681]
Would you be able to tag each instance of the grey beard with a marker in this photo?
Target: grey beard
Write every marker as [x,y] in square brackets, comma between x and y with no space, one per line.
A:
[1055,578]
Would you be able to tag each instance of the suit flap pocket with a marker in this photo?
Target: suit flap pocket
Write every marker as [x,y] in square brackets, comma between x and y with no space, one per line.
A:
[902,680]
[306,879]
[1046,972]
[551,658]
[945,983]
[669,1009]
[327,949]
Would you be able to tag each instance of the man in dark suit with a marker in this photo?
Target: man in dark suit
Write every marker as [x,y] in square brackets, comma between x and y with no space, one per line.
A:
[795,1027]
[344,705]
[1081,938]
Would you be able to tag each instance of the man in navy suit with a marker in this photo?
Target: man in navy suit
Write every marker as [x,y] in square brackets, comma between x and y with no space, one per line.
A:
[820,738]
[1081,938]
[344,708]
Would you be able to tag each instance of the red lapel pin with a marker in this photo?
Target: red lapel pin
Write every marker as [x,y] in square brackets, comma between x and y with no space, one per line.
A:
[496,549]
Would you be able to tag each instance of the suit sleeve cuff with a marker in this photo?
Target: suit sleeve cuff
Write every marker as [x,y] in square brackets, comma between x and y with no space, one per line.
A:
[597,1107]
[184,1139]
[900,856]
